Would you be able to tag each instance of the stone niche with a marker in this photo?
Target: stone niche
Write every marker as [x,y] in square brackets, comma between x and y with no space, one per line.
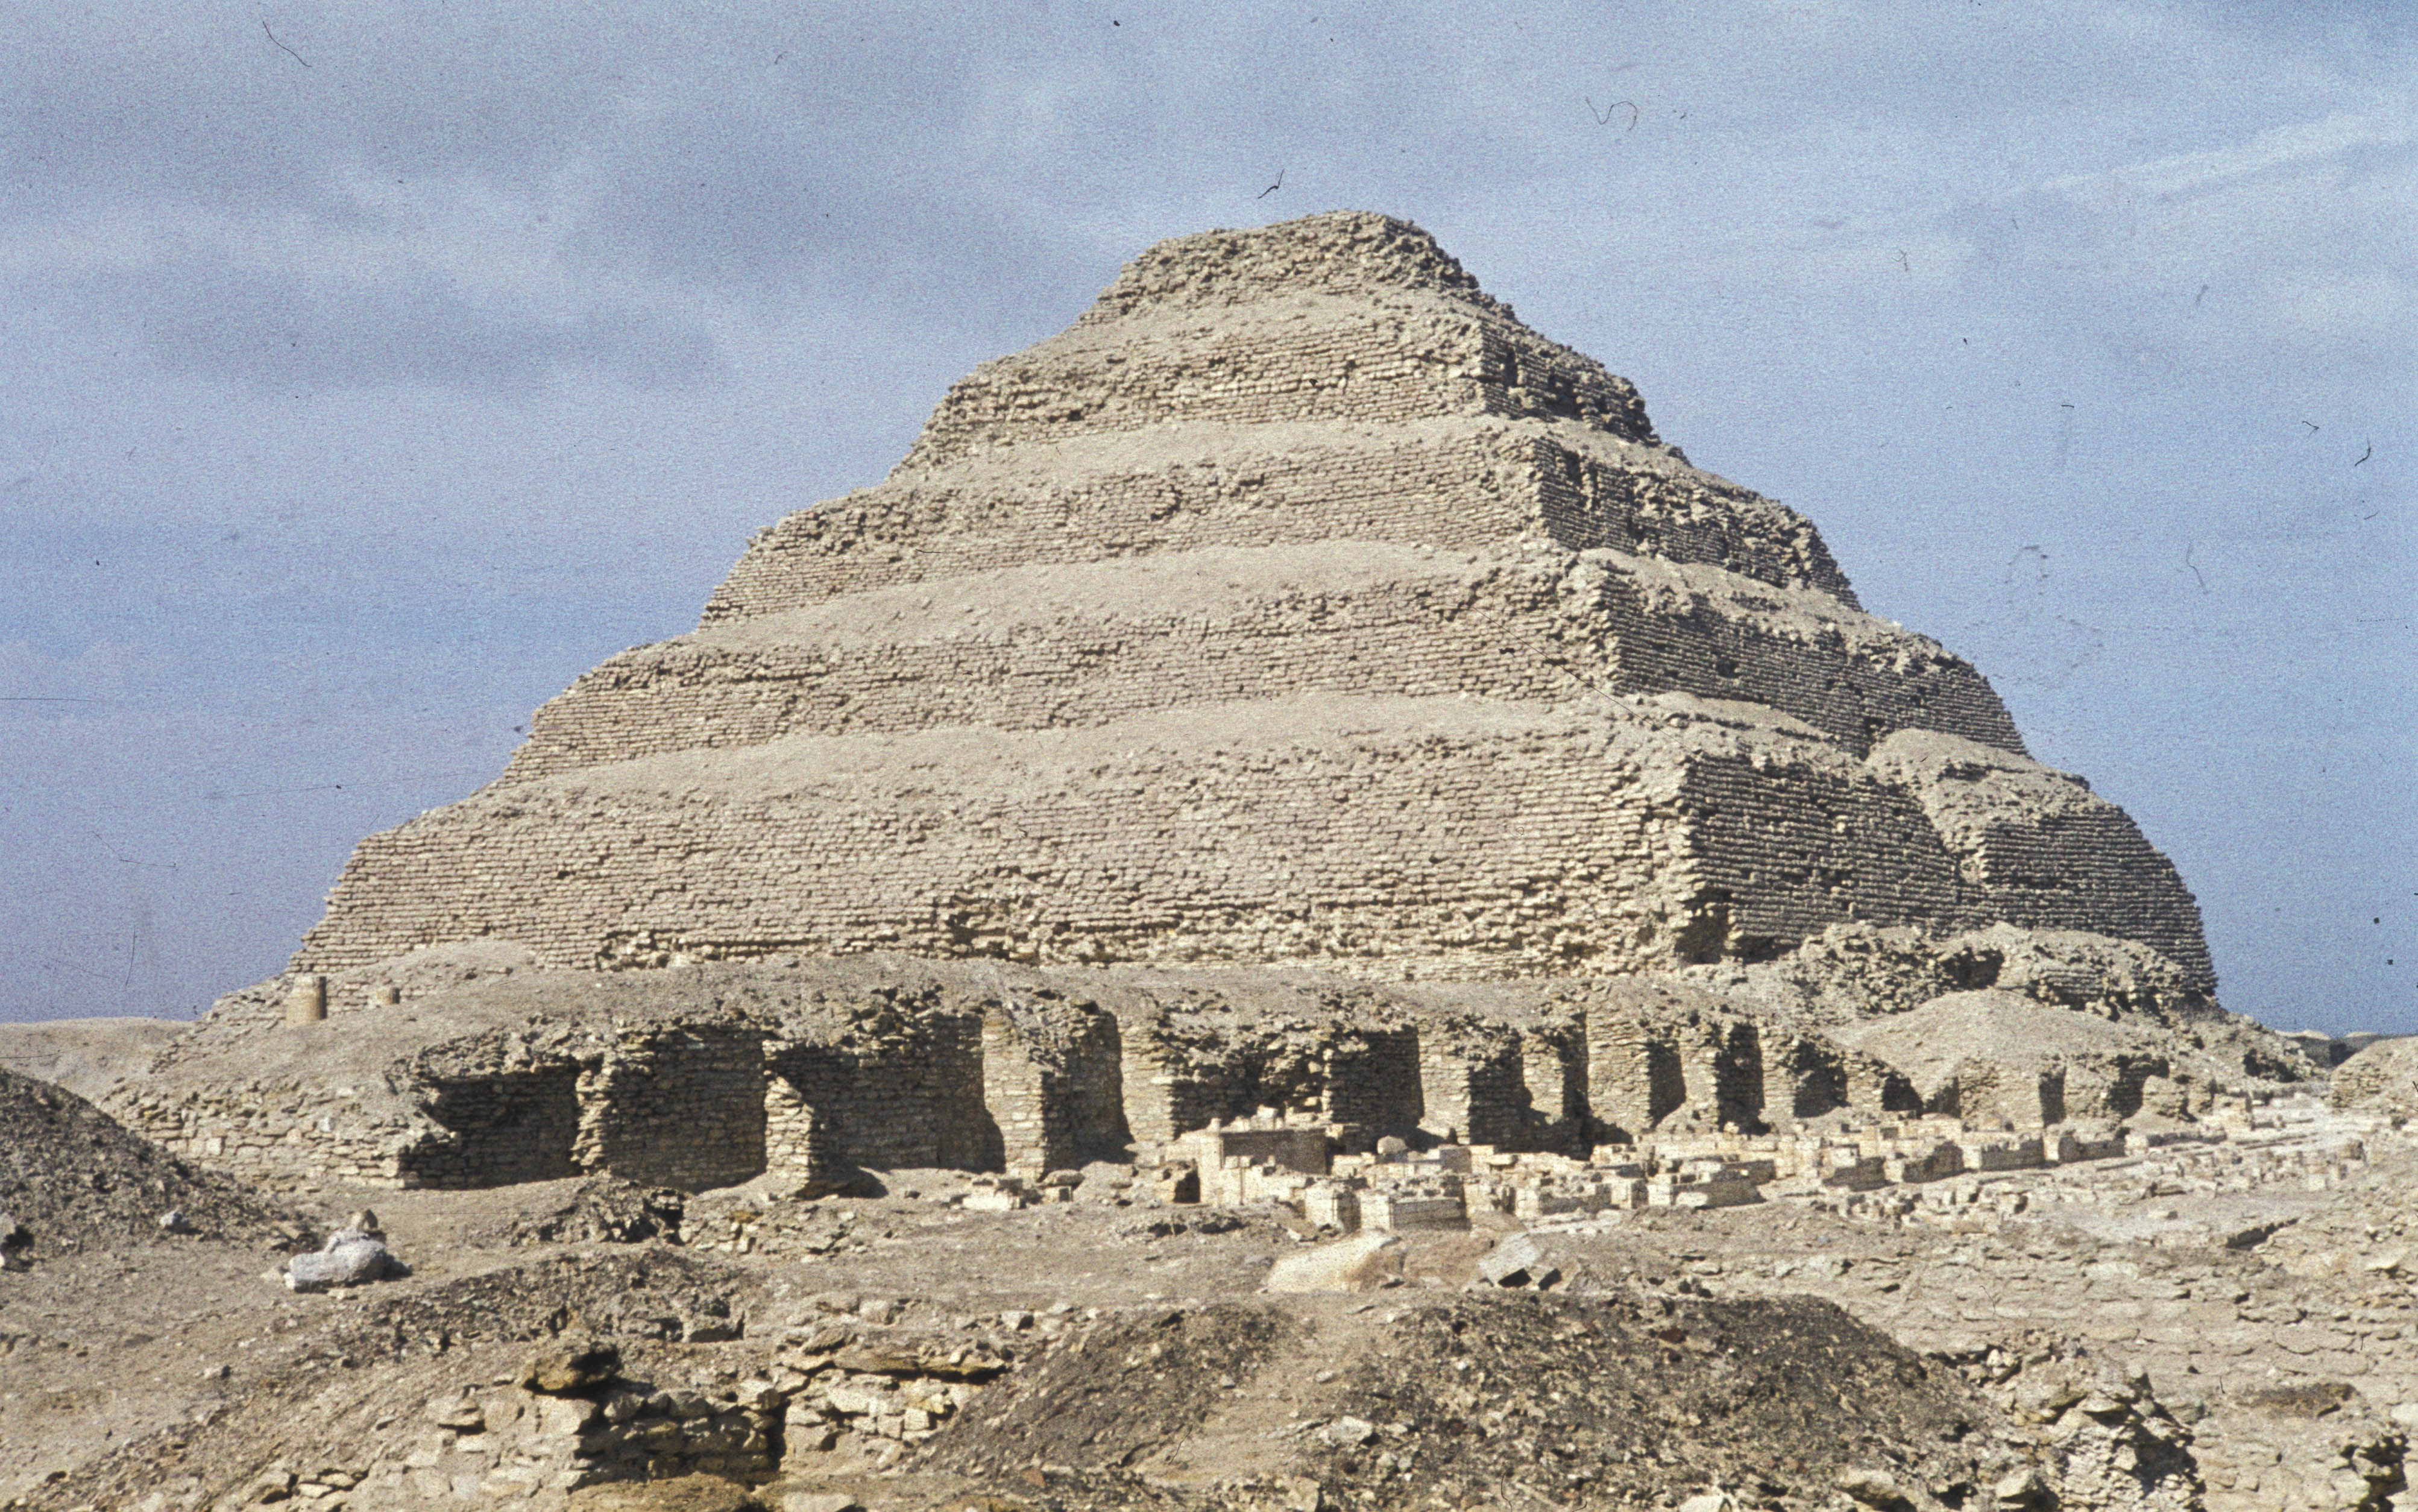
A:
[906,1094]
[509,1127]
[1011,1086]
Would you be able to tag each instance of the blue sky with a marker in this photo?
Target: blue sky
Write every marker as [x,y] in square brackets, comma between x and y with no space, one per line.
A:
[369,370]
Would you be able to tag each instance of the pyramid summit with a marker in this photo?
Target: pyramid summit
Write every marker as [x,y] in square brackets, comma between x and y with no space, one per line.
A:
[1296,605]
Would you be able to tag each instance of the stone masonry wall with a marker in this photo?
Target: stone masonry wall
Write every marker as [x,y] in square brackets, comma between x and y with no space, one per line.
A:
[1054,1081]
[909,1094]
[1427,838]
[507,1127]
[1292,359]
[2043,851]
[1452,487]
[1648,1061]
[276,1131]
[1372,1079]
[682,1107]
[1310,620]
[1552,1064]
[1472,1086]
[1162,1098]
[1180,1073]
[1133,854]
[815,1072]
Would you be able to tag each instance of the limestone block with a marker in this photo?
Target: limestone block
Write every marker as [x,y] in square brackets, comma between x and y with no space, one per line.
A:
[306,1000]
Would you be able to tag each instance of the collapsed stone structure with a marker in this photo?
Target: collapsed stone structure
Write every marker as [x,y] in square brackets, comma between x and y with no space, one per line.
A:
[1296,609]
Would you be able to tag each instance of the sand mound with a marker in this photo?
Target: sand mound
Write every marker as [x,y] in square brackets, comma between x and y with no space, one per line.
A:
[2382,1079]
[1626,1400]
[1997,1053]
[72,1178]
[86,1055]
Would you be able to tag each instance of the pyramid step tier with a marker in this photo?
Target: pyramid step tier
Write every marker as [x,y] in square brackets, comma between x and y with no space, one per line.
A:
[1396,837]
[1393,358]
[1454,485]
[1093,643]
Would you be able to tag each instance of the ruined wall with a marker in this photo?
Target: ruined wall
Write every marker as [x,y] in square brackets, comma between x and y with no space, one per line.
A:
[503,1128]
[1054,1081]
[1653,1056]
[1165,1094]
[2042,852]
[1184,1071]
[817,1071]
[1373,1080]
[677,1107]
[1473,1084]
[275,1131]
[907,1091]
[799,1146]
[1634,1077]
[1553,1066]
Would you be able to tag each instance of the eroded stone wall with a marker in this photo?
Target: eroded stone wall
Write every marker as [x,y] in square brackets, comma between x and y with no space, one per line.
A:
[816,1072]
[1419,837]
[1285,358]
[1025,649]
[682,1107]
[904,1089]
[1456,487]
[514,1126]
[1054,1083]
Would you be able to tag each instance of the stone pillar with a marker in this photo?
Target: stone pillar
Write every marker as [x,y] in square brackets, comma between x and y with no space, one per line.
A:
[1016,1092]
[385,995]
[306,1000]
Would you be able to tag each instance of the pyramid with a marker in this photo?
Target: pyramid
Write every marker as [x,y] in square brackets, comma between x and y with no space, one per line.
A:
[1296,605]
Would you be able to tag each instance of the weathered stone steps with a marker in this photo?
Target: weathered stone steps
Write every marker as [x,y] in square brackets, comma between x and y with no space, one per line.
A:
[1088,644]
[1288,356]
[1400,837]
[1462,485]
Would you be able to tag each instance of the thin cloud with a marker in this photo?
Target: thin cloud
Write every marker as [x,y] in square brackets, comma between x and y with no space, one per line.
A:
[2300,144]
[419,328]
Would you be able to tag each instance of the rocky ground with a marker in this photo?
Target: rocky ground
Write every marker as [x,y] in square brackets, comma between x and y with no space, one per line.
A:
[2155,1332]
[71,1177]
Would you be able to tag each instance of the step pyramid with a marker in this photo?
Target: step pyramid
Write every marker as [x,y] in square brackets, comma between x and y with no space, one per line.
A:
[1297,604]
